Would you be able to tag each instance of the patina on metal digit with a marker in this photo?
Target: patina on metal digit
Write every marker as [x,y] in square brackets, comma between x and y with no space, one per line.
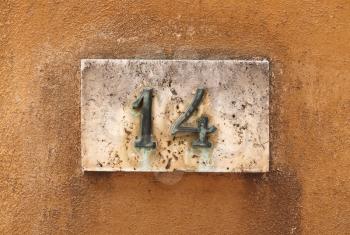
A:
[202,123]
[144,101]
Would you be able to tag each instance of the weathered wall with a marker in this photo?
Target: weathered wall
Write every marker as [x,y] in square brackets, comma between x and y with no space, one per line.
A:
[43,190]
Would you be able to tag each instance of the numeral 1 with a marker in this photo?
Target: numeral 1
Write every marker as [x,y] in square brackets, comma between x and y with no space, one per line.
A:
[144,101]
[202,123]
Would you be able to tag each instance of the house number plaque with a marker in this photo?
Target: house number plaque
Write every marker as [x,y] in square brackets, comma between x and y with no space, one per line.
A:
[168,115]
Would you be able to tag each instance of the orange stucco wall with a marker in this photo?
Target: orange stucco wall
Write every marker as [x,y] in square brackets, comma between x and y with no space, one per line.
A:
[43,190]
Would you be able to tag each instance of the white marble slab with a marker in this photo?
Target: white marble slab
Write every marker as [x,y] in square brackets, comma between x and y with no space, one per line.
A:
[236,102]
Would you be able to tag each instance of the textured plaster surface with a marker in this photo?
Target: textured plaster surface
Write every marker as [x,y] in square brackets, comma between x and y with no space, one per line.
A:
[42,187]
[235,101]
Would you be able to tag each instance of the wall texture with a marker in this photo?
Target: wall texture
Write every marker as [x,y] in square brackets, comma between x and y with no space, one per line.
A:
[42,188]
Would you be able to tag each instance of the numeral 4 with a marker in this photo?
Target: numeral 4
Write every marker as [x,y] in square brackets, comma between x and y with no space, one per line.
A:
[202,123]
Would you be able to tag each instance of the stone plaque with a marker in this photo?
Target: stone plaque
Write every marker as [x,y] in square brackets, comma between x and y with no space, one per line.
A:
[168,115]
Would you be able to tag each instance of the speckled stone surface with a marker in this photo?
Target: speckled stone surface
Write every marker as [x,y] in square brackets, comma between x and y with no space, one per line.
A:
[236,101]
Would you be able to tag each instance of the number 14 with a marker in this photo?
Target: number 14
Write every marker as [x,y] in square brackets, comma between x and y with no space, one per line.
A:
[144,103]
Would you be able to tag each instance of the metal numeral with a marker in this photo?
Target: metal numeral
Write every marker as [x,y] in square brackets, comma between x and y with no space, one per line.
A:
[145,101]
[202,123]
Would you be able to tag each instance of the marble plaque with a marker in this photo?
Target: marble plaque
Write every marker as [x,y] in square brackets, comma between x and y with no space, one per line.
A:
[175,115]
